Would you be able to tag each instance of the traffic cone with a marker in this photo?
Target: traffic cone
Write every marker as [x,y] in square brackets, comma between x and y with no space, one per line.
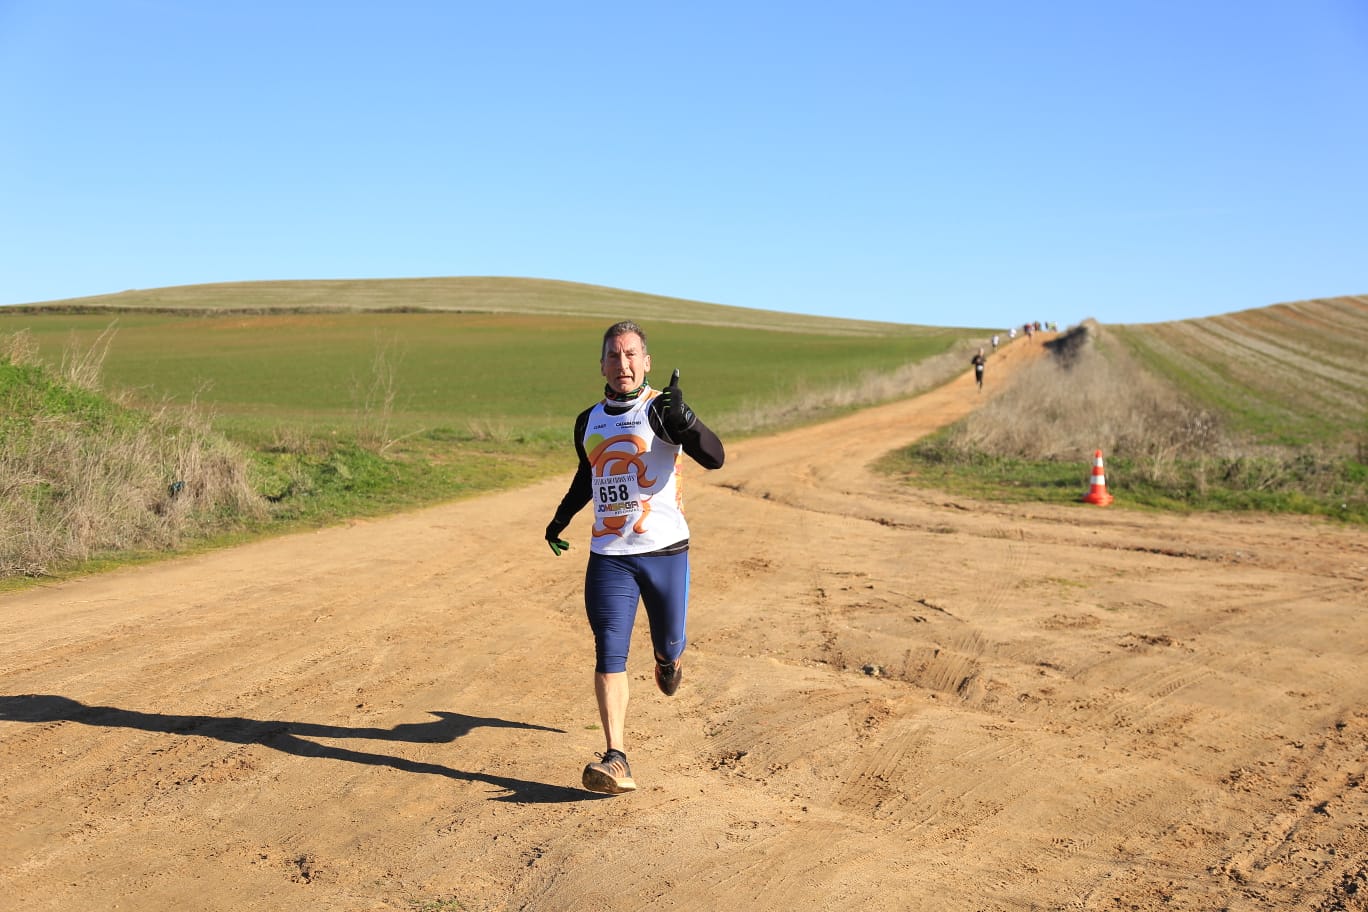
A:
[1097,494]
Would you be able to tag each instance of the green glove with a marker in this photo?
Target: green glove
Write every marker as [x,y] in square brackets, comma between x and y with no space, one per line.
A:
[553,533]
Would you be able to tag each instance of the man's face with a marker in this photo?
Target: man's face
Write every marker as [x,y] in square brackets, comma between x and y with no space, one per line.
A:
[625,362]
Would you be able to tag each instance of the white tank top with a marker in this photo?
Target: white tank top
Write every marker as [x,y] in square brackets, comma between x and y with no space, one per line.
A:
[637,500]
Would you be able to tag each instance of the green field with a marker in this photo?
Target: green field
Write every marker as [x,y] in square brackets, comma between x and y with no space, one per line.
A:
[519,374]
[1291,374]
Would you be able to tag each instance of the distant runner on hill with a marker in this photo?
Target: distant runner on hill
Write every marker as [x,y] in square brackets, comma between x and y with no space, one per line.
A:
[629,446]
[979,362]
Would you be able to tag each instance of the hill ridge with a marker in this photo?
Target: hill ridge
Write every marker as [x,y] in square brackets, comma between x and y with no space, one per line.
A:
[451,294]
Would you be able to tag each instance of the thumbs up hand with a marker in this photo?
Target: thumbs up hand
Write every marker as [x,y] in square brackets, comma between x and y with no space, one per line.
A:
[674,411]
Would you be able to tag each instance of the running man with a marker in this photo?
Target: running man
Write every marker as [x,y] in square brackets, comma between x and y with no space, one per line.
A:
[629,448]
[979,362]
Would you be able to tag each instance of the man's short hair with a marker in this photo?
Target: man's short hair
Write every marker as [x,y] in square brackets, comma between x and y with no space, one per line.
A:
[622,328]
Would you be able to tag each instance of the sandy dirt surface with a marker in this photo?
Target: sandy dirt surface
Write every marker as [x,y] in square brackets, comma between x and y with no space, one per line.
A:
[893,700]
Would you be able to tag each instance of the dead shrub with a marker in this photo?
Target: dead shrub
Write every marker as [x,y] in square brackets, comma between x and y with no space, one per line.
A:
[83,367]
[374,397]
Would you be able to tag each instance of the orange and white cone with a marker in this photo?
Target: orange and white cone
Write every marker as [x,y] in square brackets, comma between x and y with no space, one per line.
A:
[1097,494]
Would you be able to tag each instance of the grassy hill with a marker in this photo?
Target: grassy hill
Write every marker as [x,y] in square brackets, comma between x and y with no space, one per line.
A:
[459,294]
[1293,373]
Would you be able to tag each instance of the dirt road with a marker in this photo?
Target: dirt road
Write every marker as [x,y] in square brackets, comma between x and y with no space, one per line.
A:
[893,701]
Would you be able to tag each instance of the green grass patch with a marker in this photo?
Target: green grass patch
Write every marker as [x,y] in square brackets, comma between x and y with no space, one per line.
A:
[346,479]
[29,394]
[934,463]
[1305,483]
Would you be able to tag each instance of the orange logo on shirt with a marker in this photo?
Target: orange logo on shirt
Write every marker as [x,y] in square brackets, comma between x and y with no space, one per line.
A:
[621,455]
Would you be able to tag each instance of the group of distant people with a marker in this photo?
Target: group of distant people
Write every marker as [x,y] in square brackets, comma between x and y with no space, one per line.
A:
[1029,329]
[980,360]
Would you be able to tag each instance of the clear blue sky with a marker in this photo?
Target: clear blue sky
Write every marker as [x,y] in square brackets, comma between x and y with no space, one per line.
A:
[944,163]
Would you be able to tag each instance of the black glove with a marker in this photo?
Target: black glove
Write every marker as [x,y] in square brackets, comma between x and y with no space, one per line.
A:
[674,411]
[553,533]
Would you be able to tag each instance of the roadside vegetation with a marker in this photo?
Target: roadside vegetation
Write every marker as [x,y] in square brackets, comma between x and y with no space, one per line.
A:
[83,475]
[1183,423]
[277,420]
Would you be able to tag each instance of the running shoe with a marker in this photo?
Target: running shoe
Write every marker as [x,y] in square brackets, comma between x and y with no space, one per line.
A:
[610,776]
[668,676]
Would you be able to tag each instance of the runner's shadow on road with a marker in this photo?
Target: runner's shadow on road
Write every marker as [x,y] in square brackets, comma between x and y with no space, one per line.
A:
[292,738]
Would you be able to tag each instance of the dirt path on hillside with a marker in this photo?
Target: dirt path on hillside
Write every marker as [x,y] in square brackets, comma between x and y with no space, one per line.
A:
[893,701]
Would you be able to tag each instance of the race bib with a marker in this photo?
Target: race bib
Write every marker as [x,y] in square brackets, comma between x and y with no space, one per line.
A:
[617,496]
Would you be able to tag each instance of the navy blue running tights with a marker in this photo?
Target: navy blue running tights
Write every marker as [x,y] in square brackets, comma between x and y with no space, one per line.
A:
[612,586]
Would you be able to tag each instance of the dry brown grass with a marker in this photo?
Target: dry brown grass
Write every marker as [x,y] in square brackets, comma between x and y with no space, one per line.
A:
[1100,398]
[374,396]
[83,477]
[812,403]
